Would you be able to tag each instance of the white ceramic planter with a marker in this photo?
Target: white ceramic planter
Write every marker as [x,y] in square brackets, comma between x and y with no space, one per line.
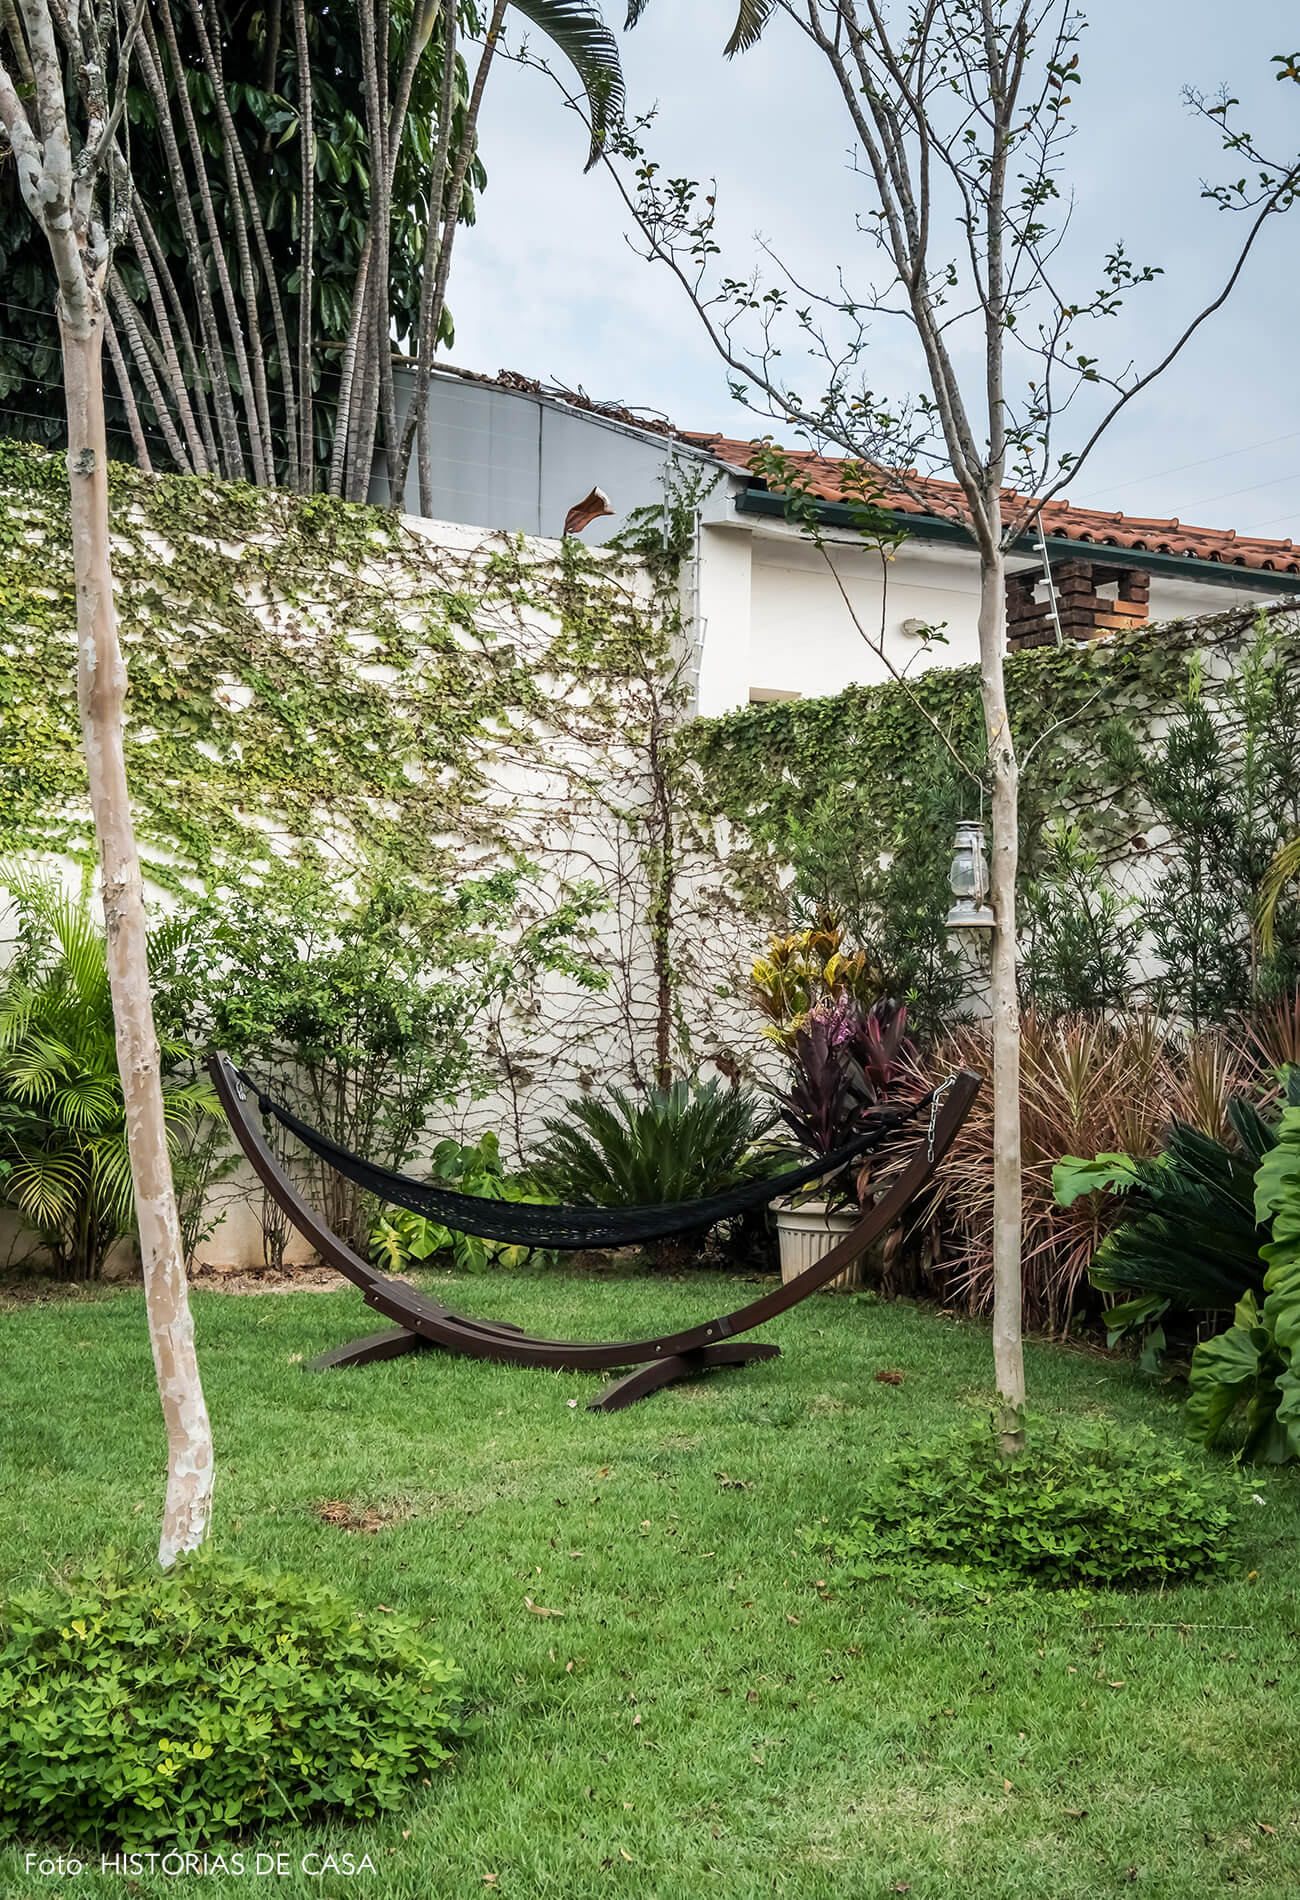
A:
[807,1231]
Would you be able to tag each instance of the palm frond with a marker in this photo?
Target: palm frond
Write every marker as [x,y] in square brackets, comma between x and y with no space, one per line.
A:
[46,1187]
[577,29]
[89,1103]
[114,1189]
[1284,868]
[751,18]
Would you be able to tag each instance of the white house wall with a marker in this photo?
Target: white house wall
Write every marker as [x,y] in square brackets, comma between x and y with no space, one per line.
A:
[776,621]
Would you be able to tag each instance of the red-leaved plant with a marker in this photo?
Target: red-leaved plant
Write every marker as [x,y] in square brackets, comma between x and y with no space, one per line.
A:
[843,1062]
[1087,1086]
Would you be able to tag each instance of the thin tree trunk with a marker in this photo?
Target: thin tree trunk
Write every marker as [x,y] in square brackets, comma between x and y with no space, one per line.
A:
[210,41]
[306,250]
[417,415]
[217,364]
[348,371]
[451,214]
[101,689]
[179,390]
[363,408]
[139,342]
[1008,1353]
[133,422]
[141,226]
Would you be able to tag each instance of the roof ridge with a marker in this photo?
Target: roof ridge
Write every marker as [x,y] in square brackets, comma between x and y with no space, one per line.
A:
[1141,533]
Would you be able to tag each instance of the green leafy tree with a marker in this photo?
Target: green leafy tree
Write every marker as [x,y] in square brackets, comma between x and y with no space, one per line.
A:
[289,184]
[365,1006]
[1081,933]
[1224,783]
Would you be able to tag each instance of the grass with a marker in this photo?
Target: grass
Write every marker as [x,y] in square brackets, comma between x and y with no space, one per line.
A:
[701,1717]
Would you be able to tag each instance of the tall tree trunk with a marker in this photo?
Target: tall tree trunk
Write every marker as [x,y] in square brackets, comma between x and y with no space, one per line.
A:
[306,249]
[101,690]
[1008,1352]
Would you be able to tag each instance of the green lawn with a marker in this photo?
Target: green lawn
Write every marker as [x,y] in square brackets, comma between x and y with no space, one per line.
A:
[701,1717]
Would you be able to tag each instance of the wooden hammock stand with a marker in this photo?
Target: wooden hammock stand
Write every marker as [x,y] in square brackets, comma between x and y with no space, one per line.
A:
[423,1321]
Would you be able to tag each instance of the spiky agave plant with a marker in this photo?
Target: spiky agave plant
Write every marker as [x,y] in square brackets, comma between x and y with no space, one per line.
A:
[676,1144]
[62,1118]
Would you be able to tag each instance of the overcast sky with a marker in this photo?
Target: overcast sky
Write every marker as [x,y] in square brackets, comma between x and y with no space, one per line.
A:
[546,282]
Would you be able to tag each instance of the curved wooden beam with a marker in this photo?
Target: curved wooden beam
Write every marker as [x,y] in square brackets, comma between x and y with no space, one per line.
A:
[487,1339]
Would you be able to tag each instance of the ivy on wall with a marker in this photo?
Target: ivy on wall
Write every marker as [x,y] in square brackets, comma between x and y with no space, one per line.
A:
[764,767]
[303,665]
[319,683]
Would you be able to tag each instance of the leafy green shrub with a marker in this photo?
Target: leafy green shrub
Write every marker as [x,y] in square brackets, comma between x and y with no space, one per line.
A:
[1079,1507]
[400,1237]
[63,1156]
[202,1700]
[1255,1365]
[676,1144]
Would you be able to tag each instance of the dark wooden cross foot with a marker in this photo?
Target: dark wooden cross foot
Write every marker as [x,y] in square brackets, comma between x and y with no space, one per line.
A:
[390,1344]
[679,1365]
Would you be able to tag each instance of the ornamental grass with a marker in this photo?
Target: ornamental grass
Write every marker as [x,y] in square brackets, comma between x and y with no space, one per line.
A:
[1087,1086]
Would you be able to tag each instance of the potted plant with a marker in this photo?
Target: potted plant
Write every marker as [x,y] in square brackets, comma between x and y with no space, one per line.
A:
[842,1061]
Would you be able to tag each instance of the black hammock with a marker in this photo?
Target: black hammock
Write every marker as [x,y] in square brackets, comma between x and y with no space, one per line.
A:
[534,1224]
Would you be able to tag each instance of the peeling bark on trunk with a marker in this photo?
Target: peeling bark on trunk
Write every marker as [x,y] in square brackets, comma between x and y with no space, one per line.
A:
[101,688]
[1008,1354]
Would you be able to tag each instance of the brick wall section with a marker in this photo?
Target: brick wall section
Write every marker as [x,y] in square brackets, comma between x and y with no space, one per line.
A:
[1084,614]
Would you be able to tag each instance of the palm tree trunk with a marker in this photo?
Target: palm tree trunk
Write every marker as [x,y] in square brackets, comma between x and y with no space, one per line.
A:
[101,689]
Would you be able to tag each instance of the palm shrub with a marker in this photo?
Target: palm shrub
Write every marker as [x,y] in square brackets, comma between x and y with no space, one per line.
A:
[681,1143]
[1254,1367]
[62,1118]
[1188,1236]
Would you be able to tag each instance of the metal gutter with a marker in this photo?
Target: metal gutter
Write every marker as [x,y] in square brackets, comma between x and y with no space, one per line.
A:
[1186,567]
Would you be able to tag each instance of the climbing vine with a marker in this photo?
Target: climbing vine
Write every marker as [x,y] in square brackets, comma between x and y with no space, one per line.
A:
[318,683]
[851,800]
[763,767]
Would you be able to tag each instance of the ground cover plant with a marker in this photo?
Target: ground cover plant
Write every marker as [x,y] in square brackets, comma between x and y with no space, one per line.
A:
[400,1237]
[1076,1508]
[675,1698]
[145,1707]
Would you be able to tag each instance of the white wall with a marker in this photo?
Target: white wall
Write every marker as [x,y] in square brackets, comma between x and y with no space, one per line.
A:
[775,620]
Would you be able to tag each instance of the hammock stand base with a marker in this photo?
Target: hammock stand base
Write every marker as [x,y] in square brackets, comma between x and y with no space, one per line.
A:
[394,1341]
[421,1321]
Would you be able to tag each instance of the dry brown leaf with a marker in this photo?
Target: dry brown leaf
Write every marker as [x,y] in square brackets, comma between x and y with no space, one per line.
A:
[538,1610]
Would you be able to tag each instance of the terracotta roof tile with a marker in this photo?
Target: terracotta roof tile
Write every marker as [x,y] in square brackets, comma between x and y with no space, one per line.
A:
[1141,534]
